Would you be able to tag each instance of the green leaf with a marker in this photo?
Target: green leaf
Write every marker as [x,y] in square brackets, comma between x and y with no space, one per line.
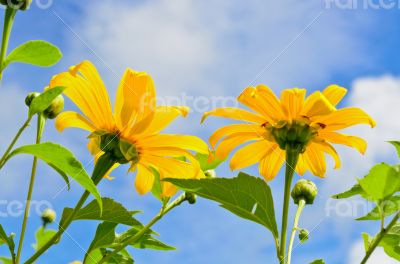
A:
[204,162]
[35,52]
[355,190]
[157,185]
[146,241]
[42,237]
[382,181]
[246,196]
[121,258]
[318,261]
[44,100]
[62,159]
[367,241]
[113,212]
[391,246]
[105,236]
[5,260]
[389,207]
[9,240]
[396,144]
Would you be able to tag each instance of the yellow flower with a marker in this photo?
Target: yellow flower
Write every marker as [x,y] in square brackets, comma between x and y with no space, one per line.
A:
[132,133]
[293,122]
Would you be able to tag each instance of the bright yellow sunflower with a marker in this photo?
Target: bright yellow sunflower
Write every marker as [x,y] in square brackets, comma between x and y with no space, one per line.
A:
[132,132]
[296,123]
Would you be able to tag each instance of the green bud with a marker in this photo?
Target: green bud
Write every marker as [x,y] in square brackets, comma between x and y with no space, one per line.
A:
[17,4]
[190,197]
[29,98]
[304,235]
[304,190]
[210,174]
[55,108]
[48,216]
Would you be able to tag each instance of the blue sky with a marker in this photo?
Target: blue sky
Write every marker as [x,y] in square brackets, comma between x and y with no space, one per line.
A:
[198,50]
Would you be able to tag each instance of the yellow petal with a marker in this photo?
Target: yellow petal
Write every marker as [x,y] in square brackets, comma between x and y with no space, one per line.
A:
[334,93]
[86,89]
[179,141]
[170,152]
[292,101]
[317,104]
[235,113]
[163,116]
[315,160]
[73,119]
[262,100]
[250,154]
[168,189]
[351,141]
[232,141]
[345,117]
[170,167]
[301,167]
[135,101]
[144,179]
[272,162]
[272,104]
[232,129]
[327,148]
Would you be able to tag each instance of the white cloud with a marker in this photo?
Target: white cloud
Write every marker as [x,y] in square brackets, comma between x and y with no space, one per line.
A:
[210,48]
[357,253]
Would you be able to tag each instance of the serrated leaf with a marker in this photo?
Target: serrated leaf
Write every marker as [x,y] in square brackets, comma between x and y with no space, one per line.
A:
[389,207]
[146,241]
[318,261]
[246,196]
[205,162]
[9,240]
[355,190]
[35,52]
[44,100]
[42,237]
[62,159]
[391,244]
[105,236]
[396,144]
[382,181]
[113,212]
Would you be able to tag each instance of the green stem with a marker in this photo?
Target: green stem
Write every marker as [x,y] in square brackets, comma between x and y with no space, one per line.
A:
[102,167]
[8,23]
[379,237]
[4,157]
[40,126]
[292,156]
[302,204]
[164,210]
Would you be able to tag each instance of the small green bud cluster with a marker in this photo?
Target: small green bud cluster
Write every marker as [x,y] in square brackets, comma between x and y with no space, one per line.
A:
[121,151]
[304,190]
[190,197]
[17,4]
[53,110]
[304,235]
[48,216]
[295,134]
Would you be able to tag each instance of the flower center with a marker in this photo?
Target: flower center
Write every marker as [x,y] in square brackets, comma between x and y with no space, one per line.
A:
[296,134]
[120,150]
